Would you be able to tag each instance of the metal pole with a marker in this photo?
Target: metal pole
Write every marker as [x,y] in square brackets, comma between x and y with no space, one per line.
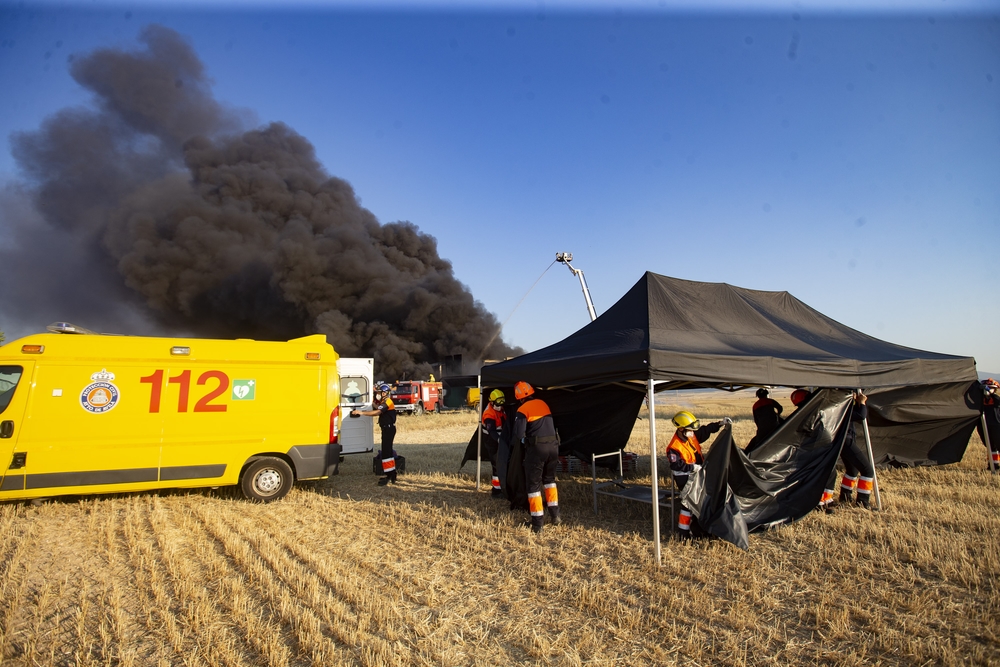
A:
[652,464]
[479,431]
[986,441]
[871,460]
[586,293]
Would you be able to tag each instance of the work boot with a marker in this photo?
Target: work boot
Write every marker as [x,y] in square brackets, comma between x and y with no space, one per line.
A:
[388,479]
[535,527]
[831,506]
[845,496]
[555,520]
[864,500]
[497,493]
[684,536]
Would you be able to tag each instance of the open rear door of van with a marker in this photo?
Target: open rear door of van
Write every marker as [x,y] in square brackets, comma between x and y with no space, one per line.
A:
[357,434]
[15,387]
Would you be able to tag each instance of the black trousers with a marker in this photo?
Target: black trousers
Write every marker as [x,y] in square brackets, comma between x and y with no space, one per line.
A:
[541,457]
[540,462]
[388,435]
[856,460]
[492,447]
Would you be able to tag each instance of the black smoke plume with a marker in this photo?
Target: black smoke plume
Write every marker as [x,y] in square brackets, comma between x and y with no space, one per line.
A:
[156,213]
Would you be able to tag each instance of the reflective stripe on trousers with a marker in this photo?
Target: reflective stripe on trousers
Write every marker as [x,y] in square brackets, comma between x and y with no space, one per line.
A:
[535,504]
[551,495]
[847,483]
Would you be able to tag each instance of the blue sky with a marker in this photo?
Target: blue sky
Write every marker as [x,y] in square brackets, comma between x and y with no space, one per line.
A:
[850,156]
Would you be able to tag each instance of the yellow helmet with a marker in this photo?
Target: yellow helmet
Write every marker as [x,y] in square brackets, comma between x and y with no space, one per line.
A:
[685,419]
[497,397]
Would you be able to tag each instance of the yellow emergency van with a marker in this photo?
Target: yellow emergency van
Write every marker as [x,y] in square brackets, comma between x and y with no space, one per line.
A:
[94,413]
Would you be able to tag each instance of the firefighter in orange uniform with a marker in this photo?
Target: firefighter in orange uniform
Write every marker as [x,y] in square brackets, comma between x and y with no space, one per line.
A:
[534,426]
[494,433]
[685,458]
[385,410]
[859,473]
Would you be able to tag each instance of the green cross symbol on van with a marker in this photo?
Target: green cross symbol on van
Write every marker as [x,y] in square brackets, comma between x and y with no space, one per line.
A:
[243,390]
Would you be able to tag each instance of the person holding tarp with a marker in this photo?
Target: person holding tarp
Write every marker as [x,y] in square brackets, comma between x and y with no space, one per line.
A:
[991,413]
[858,470]
[684,457]
[495,434]
[535,428]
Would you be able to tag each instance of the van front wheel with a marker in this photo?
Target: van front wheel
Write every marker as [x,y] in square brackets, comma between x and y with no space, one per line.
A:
[266,479]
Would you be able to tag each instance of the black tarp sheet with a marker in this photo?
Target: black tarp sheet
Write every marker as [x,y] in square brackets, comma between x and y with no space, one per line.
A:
[590,420]
[780,482]
[923,425]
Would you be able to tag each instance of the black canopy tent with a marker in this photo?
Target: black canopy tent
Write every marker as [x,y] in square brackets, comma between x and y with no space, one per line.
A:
[693,334]
[667,333]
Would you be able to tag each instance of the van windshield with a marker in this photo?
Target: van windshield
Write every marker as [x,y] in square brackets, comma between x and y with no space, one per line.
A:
[9,376]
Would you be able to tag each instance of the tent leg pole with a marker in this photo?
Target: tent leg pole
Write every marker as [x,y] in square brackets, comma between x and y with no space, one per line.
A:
[652,464]
[479,431]
[986,441]
[871,459]
[673,510]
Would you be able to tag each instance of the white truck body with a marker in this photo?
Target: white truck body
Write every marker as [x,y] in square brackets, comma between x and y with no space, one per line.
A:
[357,376]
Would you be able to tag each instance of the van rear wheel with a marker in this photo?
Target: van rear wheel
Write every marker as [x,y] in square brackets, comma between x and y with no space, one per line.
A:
[419,410]
[266,479]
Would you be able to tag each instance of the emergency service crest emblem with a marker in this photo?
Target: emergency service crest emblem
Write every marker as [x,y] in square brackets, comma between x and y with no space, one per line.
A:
[100,395]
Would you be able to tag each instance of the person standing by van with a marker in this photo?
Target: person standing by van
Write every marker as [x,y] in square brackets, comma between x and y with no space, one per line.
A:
[385,410]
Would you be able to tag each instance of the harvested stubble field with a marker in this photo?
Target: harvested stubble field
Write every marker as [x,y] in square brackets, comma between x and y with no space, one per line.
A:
[430,572]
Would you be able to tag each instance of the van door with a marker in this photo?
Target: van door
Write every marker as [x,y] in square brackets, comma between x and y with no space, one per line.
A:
[357,434]
[90,427]
[15,387]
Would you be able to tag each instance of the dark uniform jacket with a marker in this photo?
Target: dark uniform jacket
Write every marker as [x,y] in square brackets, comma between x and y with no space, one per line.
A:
[533,421]
[386,413]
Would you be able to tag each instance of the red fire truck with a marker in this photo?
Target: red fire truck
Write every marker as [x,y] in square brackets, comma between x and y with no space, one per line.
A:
[417,396]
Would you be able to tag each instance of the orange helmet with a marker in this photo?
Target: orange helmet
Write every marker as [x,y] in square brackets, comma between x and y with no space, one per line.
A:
[990,382]
[799,396]
[522,390]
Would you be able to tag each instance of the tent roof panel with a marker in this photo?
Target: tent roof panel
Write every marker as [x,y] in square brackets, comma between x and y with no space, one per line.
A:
[710,333]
